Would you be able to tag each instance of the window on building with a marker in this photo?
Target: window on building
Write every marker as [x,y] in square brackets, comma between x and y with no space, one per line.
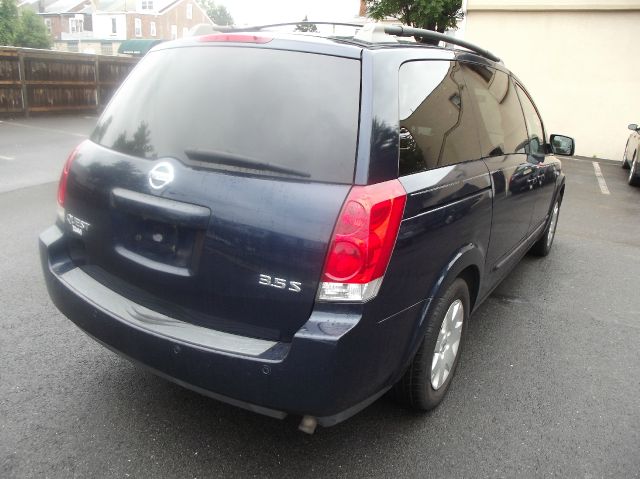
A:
[76,25]
[152,29]
[73,47]
[114,26]
[189,11]
[137,27]
[174,32]
[147,4]
[47,23]
[106,48]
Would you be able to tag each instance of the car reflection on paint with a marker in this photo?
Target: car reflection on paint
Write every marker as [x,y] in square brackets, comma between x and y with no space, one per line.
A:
[526,177]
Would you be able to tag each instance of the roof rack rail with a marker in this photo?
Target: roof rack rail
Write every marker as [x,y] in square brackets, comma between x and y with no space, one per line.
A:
[402,31]
[396,30]
[257,28]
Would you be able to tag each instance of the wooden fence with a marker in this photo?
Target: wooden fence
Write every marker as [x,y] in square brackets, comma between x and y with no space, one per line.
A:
[47,81]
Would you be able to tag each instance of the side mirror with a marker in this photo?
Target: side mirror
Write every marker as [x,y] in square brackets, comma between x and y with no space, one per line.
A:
[562,145]
[633,127]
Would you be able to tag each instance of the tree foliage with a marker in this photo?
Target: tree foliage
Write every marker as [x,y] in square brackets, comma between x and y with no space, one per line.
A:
[31,31]
[22,29]
[306,27]
[437,15]
[218,13]
[9,20]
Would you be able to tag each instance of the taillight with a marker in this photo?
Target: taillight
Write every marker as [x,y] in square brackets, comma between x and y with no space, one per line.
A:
[62,185]
[362,242]
[234,37]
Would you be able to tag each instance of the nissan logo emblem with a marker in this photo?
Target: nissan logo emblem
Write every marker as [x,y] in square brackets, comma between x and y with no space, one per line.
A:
[161,175]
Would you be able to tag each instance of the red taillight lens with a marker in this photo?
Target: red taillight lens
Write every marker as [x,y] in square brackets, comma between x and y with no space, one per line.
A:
[62,186]
[362,242]
[344,261]
[234,37]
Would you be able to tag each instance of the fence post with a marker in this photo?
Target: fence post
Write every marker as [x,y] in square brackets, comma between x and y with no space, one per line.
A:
[98,99]
[23,83]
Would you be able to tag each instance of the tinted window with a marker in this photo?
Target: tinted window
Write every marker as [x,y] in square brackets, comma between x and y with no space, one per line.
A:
[501,125]
[534,124]
[252,110]
[436,119]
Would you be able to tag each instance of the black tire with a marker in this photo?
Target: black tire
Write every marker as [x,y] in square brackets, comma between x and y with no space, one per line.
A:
[634,180]
[415,389]
[625,163]
[542,247]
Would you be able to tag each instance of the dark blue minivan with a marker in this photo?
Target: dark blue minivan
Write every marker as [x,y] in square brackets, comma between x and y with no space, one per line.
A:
[296,224]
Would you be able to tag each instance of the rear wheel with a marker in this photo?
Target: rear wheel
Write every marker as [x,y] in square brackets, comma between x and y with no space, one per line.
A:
[542,247]
[625,163]
[634,174]
[429,375]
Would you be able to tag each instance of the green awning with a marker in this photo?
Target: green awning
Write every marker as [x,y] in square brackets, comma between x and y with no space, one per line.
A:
[138,47]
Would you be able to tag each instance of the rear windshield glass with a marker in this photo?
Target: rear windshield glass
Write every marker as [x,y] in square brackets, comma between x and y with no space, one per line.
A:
[247,110]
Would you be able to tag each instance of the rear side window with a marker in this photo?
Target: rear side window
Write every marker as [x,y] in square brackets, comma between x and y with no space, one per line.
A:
[501,125]
[436,118]
[534,124]
[248,110]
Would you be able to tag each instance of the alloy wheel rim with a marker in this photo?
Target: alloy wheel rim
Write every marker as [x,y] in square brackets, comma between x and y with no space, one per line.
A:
[552,226]
[447,344]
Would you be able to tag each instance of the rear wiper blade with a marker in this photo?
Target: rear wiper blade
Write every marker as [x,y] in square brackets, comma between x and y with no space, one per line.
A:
[238,161]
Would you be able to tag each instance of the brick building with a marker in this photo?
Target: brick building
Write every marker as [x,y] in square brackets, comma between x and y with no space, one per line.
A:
[100,26]
[153,19]
[62,17]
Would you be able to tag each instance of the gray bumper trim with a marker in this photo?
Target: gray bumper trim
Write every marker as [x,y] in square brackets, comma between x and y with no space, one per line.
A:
[158,324]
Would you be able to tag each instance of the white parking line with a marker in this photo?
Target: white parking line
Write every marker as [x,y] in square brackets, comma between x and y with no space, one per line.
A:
[7,158]
[52,130]
[603,184]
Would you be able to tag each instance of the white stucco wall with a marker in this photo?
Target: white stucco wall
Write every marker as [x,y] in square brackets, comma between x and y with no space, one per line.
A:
[102,26]
[579,63]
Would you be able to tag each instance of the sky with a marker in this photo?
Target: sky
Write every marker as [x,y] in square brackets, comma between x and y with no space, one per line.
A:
[256,12]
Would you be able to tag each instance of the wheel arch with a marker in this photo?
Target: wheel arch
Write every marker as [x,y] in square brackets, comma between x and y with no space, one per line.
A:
[471,276]
[467,263]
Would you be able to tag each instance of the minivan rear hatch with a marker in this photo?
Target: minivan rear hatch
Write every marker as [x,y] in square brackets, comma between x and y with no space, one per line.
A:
[212,183]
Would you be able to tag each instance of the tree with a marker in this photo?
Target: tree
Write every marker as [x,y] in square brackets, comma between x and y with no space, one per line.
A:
[218,13]
[306,27]
[437,15]
[9,20]
[31,31]
[21,29]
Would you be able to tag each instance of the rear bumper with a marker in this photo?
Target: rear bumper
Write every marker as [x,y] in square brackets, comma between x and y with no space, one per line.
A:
[336,364]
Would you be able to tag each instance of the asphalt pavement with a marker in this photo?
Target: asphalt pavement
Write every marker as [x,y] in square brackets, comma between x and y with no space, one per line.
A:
[33,150]
[548,384]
